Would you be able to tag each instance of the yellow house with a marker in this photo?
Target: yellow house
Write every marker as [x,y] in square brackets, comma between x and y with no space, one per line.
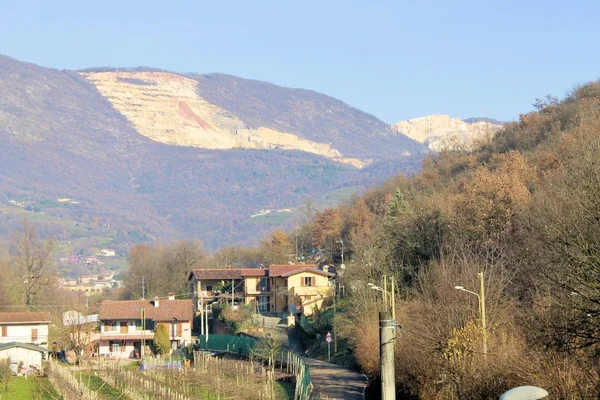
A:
[280,289]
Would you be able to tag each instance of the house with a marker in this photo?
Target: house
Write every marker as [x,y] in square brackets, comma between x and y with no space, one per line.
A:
[24,327]
[107,253]
[208,285]
[299,289]
[278,289]
[28,355]
[124,325]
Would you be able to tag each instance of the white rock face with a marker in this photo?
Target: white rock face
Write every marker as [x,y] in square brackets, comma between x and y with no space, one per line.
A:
[441,132]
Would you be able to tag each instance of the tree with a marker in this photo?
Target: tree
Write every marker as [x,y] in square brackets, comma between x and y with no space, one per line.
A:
[77,333]
[161,341]
[5,373]
[267,348]
[33,260]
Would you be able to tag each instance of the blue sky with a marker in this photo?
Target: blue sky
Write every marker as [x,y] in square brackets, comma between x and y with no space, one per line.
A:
[393,59]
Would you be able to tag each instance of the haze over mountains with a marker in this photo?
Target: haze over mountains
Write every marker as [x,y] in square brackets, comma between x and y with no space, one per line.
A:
[165,155]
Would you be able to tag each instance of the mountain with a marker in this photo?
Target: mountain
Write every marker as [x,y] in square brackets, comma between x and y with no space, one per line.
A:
[440,132]
[157,155]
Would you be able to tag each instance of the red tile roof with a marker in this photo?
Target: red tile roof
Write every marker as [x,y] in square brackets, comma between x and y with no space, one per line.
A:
[24,317]
[237,273]
[307,269]
[167,310]
[280,270]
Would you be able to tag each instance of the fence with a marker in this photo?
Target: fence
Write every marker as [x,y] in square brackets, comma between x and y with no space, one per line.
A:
[243,345]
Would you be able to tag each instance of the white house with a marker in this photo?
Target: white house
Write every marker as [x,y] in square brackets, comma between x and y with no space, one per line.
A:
[24,327]
[124,325]
[29,355]
[107,253]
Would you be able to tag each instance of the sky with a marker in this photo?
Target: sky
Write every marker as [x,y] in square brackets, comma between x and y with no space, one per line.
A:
[393,59]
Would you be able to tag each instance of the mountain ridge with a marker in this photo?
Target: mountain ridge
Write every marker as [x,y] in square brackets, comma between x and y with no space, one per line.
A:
[62,138]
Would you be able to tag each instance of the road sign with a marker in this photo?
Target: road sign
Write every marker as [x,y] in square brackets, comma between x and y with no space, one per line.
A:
[328,338]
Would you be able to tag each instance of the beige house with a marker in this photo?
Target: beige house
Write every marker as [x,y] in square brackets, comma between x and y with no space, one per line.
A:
[278,289]
[25,327]
[125,324]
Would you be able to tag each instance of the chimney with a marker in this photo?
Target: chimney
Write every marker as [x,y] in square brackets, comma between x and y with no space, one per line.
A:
[171,296]
[156,302]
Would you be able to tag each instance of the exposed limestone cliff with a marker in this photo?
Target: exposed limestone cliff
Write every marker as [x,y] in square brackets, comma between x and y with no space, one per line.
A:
[166,107]
[443,132]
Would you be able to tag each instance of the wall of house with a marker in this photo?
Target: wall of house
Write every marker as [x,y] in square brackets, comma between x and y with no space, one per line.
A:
[126,349]
[26,356]
[304,298]
[182,334]
[23,334]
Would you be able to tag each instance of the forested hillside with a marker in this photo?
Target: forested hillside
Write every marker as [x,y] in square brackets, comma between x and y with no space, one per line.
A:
[524,210]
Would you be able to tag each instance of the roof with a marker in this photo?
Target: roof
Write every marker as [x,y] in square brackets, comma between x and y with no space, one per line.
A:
[307,269]
[281,270]
[223,274]
[125,336]
[24,317]
[4,346]
[167,310]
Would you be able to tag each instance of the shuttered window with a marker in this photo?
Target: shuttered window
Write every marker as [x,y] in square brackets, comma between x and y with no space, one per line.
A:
[34,335]
[3,332]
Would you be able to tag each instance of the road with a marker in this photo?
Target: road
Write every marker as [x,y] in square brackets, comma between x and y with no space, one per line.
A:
[331,381]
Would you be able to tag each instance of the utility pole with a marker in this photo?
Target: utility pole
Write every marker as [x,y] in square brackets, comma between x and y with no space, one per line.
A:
[334,312]
[232,291]
[201,310]
[393,294]
[143,316]
[387,336]
[296,260]
[206,328]
[143,289]
[482,305]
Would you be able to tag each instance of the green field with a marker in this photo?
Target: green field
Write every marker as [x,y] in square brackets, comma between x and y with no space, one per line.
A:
[338,196]
[35,388]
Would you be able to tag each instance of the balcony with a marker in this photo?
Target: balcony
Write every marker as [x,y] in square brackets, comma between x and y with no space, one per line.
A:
[324,291]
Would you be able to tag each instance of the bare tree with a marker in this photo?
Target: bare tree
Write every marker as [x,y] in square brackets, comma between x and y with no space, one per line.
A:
[33,261]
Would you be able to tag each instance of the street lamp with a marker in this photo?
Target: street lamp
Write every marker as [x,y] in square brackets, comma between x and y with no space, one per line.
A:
[481,301]
[386,293]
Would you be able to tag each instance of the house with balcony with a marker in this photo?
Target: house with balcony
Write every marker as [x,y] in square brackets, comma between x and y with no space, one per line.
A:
[211,285]
[278,289]
[125,326]
[24,327]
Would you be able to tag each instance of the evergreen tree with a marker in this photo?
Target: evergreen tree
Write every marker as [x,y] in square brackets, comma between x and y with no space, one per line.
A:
[161,343]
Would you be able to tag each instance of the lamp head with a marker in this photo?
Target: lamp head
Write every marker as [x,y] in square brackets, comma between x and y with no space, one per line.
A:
[459,288]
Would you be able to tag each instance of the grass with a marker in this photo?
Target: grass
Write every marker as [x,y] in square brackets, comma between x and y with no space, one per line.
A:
[35,388]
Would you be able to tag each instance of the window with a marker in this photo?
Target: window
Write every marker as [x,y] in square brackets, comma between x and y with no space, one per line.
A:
[3,332]
[263,285]
[34,335]
[263,303]
[308,281]
[209,289]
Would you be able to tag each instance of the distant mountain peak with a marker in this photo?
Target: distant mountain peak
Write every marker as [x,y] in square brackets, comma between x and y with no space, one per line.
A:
[439,131]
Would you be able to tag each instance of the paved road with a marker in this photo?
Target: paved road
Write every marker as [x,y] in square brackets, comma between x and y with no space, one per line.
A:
[331,381]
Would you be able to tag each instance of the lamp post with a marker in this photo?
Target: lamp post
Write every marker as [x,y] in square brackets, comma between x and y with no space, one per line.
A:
[391,294]
[481,300]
